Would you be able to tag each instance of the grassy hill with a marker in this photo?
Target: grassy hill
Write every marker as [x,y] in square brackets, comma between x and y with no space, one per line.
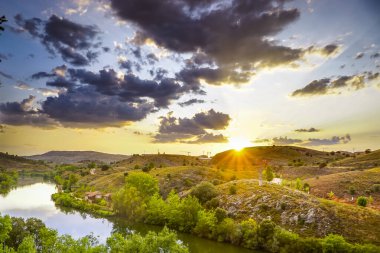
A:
[362,160]
[348,185]
[77,156]
[275,155]
[13,162]
[160,160]
[299,211]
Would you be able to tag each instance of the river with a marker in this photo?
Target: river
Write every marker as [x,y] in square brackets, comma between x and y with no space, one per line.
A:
[32,198]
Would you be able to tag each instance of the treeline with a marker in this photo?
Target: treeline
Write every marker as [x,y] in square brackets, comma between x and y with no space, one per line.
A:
[197,213]
[32,236]
[8,179]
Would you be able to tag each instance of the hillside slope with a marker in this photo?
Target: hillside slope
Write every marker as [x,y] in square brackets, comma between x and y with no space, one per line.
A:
[13,162]
[364,160]
[77,156]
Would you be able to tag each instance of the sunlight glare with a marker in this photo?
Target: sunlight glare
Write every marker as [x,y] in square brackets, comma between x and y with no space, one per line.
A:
[238,143]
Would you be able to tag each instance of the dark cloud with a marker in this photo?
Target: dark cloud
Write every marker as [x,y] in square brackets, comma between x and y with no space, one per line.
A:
[6,75]
[230,36]
[85,107]
[73,41]
[23,113]
[310,130]
[334,86]
[208,138]
[285,141]
[131,88]
[42,74]
[152,58]
[3,57]
[332,141]
[359,55]
[375,55]
[192,130]
[191,102]
[330,49]
[106,49]
[261,140]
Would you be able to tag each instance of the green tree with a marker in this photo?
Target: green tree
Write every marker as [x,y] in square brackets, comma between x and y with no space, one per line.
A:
[27,245]
[204,191]
[269,174]
[362,201]
[5,227]
[155,213]
[249,233]
[146,184]
[206,224]
[130,203]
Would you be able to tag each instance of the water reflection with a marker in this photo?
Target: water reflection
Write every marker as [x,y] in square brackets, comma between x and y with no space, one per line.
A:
[35,201]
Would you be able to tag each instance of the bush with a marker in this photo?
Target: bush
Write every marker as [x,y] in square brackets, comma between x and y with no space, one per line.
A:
[269,174]
[249,234]
[352,190]
[105,167]
[322,165]
[375,188]
[233,189]
[206,224]
[220,214]
[265,234]
[204,192]
[362,201]
[335,244]
[212,203]
[228,231]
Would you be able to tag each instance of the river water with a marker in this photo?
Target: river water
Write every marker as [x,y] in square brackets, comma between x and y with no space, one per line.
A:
[32,198]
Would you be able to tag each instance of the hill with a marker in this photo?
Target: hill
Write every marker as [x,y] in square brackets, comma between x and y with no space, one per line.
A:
[362,160]
[275,155]
[160,160]
[347,186]
[14,162]
[77,156]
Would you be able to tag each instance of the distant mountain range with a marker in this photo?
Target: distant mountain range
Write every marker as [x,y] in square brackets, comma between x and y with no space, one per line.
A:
[77,156]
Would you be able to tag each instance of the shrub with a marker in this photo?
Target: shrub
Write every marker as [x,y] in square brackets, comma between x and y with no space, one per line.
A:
[249,233]
[375,188]
[204,191]
[220,214]
[331,195]
[269,174]
[206,224]
[362,201]
[144,183]
[322,165]
[212,203]
[228,231]
[105,167]
[335,244]
[265,234]
[233,189]
[352,190]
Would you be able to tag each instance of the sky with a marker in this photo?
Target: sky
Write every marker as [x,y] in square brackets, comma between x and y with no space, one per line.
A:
[179,76]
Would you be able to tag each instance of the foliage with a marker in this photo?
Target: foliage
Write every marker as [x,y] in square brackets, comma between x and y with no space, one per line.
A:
[206,224]
[7,181]
[105,167]
[204,191]
[362,201]
[129,202]
[232,189]
[352,190]
[268,173]
[146,184]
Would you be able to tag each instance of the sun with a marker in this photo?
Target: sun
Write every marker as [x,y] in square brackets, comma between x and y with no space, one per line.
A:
[238,143]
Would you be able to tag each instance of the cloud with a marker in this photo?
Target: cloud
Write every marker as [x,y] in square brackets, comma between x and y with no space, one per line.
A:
[332,141]
[359,55]
[23,86]
[375,55]
[59,71]
[191,102]
[23,113]
[285,141]
[310,130]
[208,138]
[192,130]
[232,36]
[85,107]
[6,75]
[74,42]
[336,85]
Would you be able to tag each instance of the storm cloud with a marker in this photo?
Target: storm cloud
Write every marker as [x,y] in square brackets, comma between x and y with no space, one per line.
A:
[327,86]
[76,43]
[192,130]
[231,35]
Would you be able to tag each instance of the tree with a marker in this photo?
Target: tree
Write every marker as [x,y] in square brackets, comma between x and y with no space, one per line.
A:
[27,245]
[206,224]
[269,174]
[249,233]
[233,189]
[5,228]
[129,202]
[362,201]
[204,191]
[146,184]
[155,213]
